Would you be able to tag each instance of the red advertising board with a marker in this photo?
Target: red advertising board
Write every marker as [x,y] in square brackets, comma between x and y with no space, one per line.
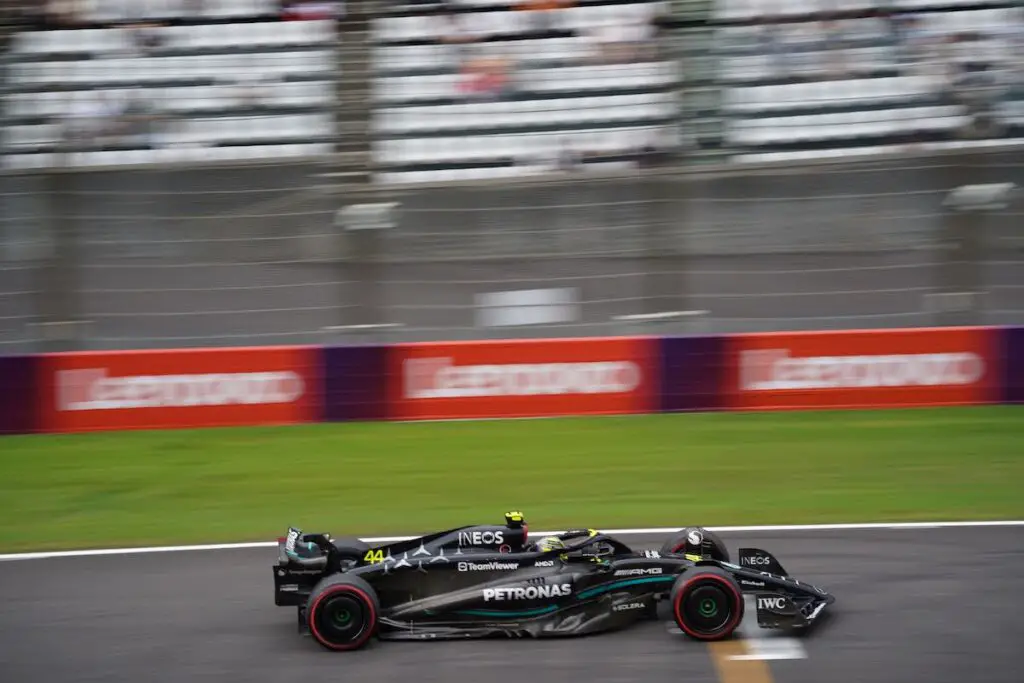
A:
[863,369]
[168,389]
[522,378]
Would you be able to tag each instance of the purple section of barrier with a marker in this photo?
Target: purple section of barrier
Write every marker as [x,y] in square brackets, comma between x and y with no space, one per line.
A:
[18,398]
[355,382]
[1013,364]
[692,373]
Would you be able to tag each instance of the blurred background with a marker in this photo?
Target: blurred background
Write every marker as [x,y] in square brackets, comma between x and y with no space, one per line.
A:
[245,172]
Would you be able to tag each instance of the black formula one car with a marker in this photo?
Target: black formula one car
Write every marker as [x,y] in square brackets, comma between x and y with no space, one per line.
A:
[478,581]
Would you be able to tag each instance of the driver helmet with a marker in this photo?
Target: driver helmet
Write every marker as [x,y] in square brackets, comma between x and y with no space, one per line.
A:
[694,542]
[549,543]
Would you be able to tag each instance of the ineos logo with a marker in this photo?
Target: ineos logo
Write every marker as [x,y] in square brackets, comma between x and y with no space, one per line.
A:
[757,560]
[471,538]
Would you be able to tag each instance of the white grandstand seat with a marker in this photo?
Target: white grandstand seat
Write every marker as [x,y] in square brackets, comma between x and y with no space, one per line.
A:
[196,90]
[868,91]
[569,100]
[904,5]
[104,11]
[522,113]
[858,111]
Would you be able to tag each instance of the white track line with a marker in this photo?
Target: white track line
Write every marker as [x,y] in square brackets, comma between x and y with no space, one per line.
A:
[613,532]
[765,644]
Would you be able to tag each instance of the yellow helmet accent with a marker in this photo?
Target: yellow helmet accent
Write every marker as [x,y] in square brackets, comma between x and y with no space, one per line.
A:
[550,543]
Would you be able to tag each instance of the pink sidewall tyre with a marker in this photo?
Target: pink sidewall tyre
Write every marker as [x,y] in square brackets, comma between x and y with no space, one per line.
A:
[343,613]
[707,603]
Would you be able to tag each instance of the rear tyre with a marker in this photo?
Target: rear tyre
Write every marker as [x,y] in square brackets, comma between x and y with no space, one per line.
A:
[707,603]
[714,545]
[343,612]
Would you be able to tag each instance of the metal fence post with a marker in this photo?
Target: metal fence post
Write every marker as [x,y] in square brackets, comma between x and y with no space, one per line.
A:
[960,284]
[363,256]
[664,248]
[59,327]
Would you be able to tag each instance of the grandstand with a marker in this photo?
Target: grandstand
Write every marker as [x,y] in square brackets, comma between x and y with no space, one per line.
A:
[170,83]
[800,85]
[500,95]
[476,89]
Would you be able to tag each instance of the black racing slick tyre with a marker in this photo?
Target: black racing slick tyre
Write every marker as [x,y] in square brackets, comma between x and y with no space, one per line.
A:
[343,612]
[707,603]
[713,544]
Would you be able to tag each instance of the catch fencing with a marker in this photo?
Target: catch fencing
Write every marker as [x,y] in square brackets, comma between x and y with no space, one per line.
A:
[257,254]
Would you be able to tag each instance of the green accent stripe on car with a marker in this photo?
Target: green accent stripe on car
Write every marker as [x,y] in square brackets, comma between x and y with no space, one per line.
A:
[506,613]
[597,590]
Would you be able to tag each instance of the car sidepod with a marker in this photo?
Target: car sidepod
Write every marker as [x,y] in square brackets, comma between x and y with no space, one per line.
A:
[538,601]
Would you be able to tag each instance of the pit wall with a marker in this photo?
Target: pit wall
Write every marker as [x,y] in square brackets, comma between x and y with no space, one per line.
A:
[219,387]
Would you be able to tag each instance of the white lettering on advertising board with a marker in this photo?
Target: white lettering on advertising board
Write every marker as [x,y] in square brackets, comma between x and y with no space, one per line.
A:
[775,370]
[427,378]
[93,389]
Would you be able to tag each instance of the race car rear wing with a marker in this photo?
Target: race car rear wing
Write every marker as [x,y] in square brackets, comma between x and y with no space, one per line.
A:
[298,548]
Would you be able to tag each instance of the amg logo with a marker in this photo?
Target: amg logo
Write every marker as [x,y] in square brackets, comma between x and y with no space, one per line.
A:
[487,566]
[628,606]
[527,592]
[771,603]
[472,538]
[544,563]
[638,572]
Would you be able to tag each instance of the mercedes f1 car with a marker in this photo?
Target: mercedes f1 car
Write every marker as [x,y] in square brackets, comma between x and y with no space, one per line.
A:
[478,581]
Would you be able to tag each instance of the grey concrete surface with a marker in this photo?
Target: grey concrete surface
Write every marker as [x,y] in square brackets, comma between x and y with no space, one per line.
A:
[935,605]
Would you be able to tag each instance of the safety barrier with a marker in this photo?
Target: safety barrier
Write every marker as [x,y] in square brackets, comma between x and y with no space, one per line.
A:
[187,388]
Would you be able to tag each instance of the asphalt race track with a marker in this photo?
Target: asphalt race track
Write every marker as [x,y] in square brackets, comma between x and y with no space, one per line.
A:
[938,605]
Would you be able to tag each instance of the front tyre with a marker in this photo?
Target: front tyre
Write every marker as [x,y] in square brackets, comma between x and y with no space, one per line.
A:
[707,603]
[343,612]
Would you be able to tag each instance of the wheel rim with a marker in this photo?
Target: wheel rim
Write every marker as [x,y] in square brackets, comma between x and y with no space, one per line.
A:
[342,619]
[707,608]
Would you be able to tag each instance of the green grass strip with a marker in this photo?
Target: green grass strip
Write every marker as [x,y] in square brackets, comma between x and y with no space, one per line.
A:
[169,487]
